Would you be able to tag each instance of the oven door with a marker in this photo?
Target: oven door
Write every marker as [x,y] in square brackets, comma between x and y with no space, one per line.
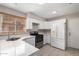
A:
[39,38]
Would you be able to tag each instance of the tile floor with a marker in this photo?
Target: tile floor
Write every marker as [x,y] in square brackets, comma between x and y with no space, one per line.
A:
[47,50]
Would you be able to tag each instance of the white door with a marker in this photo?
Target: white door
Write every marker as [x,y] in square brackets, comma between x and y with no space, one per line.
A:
[73,26]
[58,35]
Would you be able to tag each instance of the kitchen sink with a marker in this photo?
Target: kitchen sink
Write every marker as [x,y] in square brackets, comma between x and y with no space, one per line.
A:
[13,39]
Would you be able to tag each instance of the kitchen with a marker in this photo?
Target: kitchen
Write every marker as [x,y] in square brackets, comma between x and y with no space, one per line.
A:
[26,33]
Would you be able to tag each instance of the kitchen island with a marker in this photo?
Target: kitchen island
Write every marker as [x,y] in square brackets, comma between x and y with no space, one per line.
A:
[17,47]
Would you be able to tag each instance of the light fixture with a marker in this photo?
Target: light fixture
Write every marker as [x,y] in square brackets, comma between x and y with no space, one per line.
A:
[54,12]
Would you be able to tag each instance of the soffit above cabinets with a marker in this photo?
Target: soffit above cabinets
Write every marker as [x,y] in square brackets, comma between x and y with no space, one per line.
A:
[45,10]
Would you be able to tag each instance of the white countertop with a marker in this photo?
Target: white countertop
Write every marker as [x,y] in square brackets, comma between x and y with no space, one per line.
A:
[8,45]
[30,49]
[26,37]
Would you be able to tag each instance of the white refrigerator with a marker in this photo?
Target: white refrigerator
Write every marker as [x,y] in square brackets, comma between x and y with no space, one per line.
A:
[58,34]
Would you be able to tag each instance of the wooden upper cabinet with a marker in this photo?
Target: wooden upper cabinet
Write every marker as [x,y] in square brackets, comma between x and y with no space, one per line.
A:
[8,19]
[12,24]
[8,24]
[20,24]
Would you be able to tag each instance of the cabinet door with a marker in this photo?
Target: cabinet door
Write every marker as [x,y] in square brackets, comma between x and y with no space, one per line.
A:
[8,24]
[47,39]
[20,25]
[1,20]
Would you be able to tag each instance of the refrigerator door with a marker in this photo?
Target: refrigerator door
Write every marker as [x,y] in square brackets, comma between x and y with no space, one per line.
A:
[58,35]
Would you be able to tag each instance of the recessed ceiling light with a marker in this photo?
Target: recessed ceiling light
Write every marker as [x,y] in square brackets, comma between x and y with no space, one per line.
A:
[54,12]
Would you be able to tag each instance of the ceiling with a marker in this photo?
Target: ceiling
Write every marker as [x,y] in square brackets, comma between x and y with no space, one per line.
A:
[45,10]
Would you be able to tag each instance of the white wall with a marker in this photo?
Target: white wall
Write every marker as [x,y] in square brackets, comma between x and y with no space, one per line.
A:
[73,29]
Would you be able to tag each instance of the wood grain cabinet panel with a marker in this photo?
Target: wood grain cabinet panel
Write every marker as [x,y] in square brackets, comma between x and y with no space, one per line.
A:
[20,24]
[12,24]
[8,24]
